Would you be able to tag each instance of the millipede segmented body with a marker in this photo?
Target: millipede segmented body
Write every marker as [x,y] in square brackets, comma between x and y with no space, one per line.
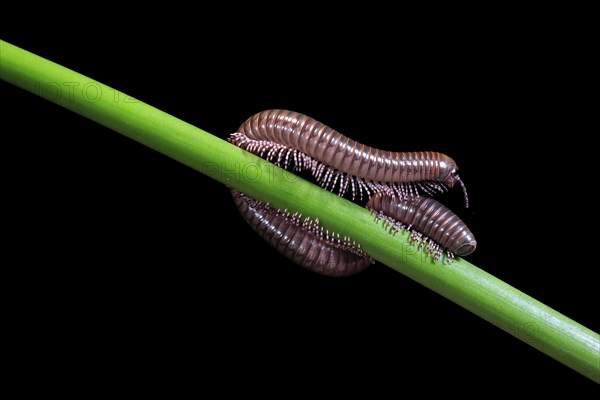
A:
[430,221]
[391,181]
[302,241]
[283,136]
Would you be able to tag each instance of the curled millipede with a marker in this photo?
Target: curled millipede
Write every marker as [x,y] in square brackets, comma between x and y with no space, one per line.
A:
[283,136]
[430,222]
[302,240]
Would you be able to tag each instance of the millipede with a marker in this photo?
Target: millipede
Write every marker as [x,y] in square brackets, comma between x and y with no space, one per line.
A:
[283,136]
[392,181]
[432,225]
[303,241]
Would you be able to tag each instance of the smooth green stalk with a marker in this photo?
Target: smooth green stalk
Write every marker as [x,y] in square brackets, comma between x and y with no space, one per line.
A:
[504,306]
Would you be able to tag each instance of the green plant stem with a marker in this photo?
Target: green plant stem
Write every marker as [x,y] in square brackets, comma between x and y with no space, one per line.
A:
[504,306]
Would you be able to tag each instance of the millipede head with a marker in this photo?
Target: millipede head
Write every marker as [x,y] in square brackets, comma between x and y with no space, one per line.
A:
[466,248]
[452,178]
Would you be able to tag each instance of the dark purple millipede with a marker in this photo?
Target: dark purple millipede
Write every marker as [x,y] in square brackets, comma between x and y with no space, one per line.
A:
[391,180]
[283,136]
[434,227]
[302,241]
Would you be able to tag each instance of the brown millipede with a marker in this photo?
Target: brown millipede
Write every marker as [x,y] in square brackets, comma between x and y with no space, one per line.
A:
[302,240]
[390,179]
[281,136]
[430,221]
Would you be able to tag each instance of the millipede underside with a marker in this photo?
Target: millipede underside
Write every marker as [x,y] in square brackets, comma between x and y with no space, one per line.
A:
[303,240]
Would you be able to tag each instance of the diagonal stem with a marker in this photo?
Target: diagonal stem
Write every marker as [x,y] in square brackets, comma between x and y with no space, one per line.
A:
[504,306]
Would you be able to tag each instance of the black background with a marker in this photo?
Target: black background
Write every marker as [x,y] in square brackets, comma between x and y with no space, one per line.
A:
[140,252]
